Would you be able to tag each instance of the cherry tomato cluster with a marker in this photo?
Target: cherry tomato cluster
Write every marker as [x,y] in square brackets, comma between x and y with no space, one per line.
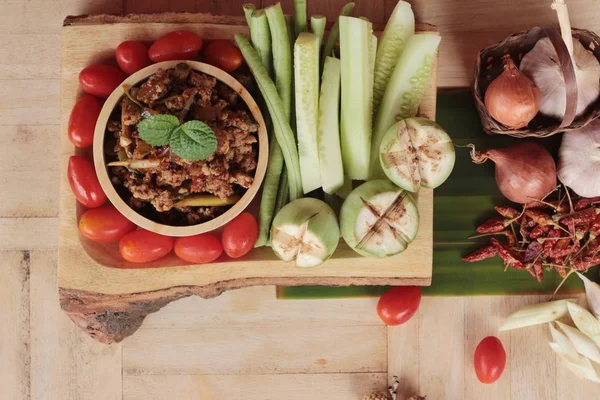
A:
[104,223]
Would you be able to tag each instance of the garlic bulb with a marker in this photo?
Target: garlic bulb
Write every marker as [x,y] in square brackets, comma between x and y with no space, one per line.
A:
[541,66]
[579,160]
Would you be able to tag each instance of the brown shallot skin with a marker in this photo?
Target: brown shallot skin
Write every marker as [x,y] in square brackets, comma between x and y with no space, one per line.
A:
[512,98]
[525,172]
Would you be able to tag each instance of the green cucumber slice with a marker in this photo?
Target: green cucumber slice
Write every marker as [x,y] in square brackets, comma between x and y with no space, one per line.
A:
[403,93]
[306,79]
[330,152]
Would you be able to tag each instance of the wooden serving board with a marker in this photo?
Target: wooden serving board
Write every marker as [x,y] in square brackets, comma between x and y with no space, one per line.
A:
[108,299]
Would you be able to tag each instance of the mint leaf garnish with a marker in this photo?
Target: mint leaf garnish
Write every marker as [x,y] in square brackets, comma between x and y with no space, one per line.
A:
[156,130]
[193,141]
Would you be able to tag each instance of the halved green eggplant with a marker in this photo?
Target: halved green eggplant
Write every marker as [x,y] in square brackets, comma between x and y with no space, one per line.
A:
[417,152]
[305,230]
[378,219]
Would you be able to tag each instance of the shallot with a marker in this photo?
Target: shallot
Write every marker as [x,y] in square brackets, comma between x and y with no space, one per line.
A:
[524,172]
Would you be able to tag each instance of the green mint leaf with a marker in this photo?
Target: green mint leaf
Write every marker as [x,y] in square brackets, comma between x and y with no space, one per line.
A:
[194,141]
[156,130]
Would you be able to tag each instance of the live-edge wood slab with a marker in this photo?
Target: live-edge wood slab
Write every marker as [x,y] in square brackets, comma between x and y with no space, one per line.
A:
[109,300]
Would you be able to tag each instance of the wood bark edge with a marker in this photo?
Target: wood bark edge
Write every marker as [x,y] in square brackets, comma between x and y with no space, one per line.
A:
[110,318]
[188,18]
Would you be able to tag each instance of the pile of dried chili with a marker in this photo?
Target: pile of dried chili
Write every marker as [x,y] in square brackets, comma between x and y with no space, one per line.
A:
[561,235]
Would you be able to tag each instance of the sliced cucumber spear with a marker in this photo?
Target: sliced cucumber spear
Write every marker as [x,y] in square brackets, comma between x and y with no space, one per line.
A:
[403,93]
[305,230]
[378,219]
[356,44]
[399,28]
[306,79]
[417,152]
[330,154]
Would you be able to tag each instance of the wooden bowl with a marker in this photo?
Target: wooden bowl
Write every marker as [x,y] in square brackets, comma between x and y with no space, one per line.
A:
[134,216]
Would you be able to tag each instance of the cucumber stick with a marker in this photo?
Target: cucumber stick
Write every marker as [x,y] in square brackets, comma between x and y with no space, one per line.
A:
[306,79]
[334,32]
[399,28]
[330,152]
[281,126]
[404,91]
[356,44]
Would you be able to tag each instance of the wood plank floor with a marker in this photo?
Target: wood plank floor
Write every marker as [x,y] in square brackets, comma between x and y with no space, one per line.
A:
[244,343]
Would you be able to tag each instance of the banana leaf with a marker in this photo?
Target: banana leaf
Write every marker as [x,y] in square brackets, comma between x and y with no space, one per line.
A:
[466,199]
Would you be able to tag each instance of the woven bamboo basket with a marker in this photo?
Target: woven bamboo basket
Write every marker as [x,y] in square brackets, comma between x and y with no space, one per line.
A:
[490,65]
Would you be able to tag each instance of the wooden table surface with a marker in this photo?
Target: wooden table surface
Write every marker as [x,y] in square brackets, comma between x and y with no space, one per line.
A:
[244,344]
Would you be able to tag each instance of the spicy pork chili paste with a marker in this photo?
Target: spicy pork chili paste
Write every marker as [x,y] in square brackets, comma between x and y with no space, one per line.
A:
[153,190]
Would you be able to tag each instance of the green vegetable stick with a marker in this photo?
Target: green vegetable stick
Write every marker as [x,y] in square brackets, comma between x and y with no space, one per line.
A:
[281,126]
[356,44]
[282,57]
[261,38]
[399,28]
[248,8]
[335,32]
[267,209]
[283,194]
[300,13]
[403,93]
[317,25]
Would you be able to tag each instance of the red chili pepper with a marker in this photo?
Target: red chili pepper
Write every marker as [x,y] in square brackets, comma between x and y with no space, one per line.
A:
[540,217]
[509,259]
[507,212]
[595,226]
[580,217]
[493,225]
[481,254]
[538,270]
[539,231]
[585,203]
[549,242]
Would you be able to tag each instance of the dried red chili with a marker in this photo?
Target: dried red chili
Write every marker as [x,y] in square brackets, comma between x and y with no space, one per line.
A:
[580,217]
[483,253]
[510,259]
[540,217]
[493,225]
[585,203]
[539,231]
[507,212]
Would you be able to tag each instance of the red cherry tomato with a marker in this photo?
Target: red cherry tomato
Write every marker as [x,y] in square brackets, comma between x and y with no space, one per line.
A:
[84,182]
[143,246]
[178,45]
[199,249]
[100,80]
[239,236]
[223,54]
[104,224]
[490,359]
[399,304]
[82,121]
[132,56]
